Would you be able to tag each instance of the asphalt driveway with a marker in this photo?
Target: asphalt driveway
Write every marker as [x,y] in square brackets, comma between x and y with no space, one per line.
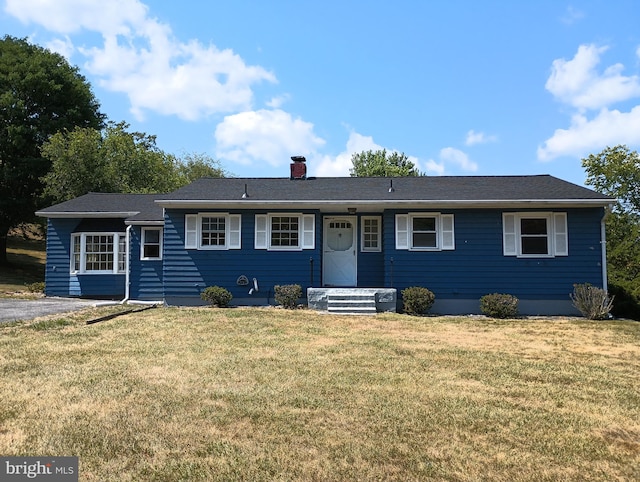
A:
[13,310]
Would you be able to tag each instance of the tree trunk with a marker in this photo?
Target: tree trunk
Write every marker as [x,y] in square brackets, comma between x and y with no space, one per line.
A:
[3,249]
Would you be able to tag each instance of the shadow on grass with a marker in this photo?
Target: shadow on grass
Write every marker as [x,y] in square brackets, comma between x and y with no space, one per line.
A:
[26,264]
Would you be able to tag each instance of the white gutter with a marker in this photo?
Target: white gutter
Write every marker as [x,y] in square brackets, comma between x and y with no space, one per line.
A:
[603,245]
[127,265]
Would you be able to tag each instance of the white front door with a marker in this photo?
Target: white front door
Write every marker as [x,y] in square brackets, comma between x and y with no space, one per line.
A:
[339,251]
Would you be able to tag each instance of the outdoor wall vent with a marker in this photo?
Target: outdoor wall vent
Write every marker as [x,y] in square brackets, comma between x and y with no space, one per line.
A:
[298,167]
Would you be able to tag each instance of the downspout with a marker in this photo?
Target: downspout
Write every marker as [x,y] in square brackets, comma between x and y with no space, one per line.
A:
[603,244]
[127,265]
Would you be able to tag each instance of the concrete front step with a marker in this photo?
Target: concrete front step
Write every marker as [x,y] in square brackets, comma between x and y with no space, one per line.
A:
[345,299]
[355,304]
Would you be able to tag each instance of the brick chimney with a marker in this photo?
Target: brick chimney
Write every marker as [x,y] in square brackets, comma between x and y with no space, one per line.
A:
[298,167]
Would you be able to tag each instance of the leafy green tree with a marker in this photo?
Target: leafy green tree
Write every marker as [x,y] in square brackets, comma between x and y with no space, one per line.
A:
[40,94]
[196,165]
[616,172]
[116,160]
[382,164]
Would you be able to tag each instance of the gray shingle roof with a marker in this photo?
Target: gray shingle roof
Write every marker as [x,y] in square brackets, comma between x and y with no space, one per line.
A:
[463,190]
[133,207]
[425,188]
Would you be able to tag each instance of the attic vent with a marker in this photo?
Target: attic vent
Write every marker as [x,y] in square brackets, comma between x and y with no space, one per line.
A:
[298,167]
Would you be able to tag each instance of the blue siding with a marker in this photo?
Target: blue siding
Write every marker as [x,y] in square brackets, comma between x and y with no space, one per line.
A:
[477,266]
[56,275]
[188,271]
[59,281]
[145,278]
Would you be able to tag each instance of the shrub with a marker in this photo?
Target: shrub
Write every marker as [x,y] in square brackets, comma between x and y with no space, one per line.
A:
[287,296]
[37,287]
[417,300]
[499,305]
[625,303]
[217,296]
[593,302]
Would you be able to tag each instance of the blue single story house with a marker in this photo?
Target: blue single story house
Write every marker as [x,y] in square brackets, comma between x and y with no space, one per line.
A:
[461,237]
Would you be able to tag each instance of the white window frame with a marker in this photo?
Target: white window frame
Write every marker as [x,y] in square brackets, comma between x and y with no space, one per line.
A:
[193,231]
[80,266]
[377,234]
[143,243]
[445,232]
[306,231]
[557,234]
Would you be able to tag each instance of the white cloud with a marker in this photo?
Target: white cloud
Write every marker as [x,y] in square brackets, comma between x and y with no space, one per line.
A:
[270,136]
[450,159]
[606,129]
[62,46]
[449,155]
[340,165]
[278,101]
[572,15]
[433,167]
[108,17]
[141,58]
[474,137]
[577,82]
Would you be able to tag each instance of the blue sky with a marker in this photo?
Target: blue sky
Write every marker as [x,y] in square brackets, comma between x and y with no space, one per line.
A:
[462,87]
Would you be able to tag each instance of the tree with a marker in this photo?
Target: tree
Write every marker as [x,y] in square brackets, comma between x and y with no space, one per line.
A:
[116,160]
[616,172]
[382,164]
[40,94]
[196,165]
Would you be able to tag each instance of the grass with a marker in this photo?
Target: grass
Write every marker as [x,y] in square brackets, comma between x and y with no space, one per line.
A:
[26,256]
[266,394]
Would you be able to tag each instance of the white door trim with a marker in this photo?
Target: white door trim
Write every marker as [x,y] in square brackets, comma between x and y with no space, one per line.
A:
[344,260]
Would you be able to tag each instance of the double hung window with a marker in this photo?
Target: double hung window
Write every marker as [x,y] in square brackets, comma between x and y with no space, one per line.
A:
[535,235]
[151,244]
[425,231]
[285,231]
[212,231]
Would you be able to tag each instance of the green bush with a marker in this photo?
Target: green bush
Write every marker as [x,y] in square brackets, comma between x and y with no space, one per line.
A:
[499,305]
[216,296]
[593,302]
[625,303]
[287,296]
[37,287]
[417,300]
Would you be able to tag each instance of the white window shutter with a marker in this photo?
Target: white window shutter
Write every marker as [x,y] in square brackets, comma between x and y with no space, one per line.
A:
[446,232]
[261,232]
[191,231]
[402,231]
[509,234]
[308,231]
[560,233]
[234,231]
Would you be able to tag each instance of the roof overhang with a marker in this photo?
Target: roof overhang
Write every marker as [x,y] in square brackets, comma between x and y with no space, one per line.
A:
[85,214]
[144,223]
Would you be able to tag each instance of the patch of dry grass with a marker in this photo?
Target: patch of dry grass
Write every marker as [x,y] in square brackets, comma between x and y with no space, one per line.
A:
[26,256]
[265,394]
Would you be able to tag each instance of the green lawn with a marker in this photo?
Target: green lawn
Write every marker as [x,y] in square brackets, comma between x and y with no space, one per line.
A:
[267,394]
